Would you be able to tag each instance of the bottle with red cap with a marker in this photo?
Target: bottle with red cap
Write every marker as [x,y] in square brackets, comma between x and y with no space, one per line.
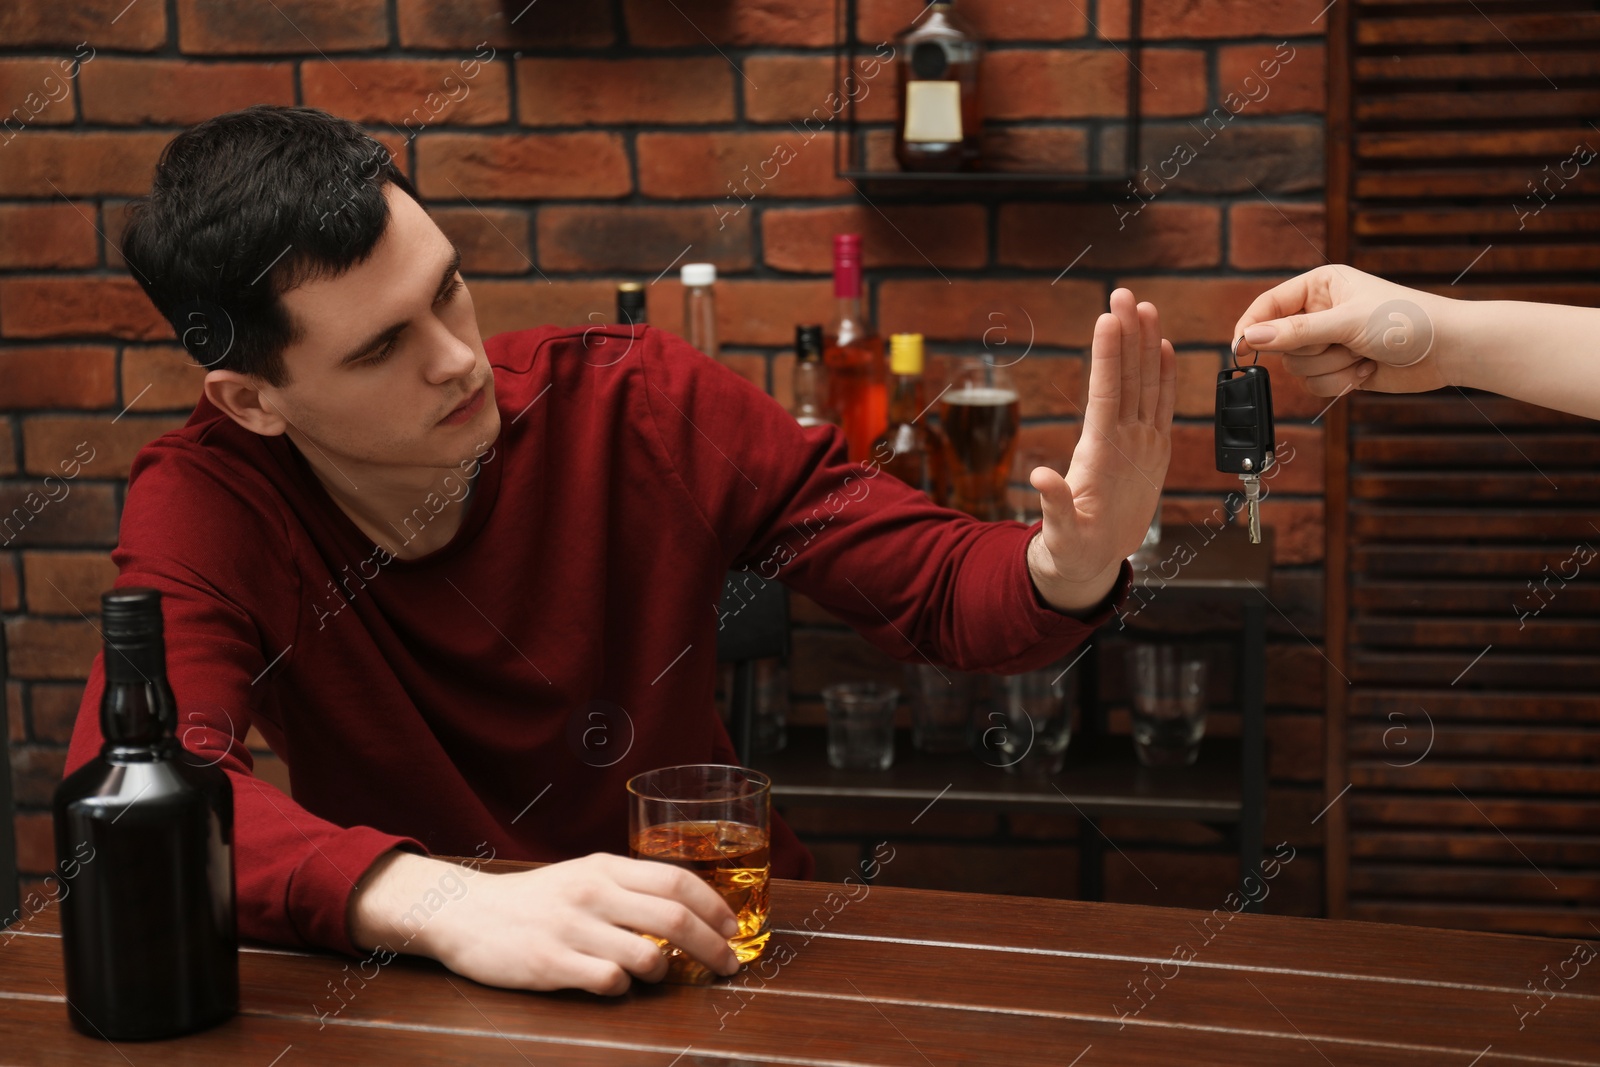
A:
[858,373]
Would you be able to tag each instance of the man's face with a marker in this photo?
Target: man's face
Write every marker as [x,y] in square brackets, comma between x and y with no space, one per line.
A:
[387,351]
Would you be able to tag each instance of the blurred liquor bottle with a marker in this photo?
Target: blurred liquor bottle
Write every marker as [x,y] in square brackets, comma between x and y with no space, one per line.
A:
[811,403]
[858,374]
[700,307]
[630,304]
[940,120]
[915,448]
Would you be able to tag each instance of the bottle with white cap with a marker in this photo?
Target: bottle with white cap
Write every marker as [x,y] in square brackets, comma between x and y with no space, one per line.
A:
[700,307]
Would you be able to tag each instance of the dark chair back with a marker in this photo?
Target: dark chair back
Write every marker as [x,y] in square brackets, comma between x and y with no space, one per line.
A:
[753,624]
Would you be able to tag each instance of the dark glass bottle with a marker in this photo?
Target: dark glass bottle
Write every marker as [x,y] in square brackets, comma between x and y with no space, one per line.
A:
[940,121]
[147,923]
[630,304]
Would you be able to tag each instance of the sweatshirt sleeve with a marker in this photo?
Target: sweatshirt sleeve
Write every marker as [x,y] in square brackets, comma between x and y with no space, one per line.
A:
[917,580]
[229,604]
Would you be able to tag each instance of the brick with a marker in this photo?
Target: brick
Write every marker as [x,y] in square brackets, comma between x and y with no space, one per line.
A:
[48,235]
[37,91]
[491,240]
[1263,236]
[1047,444]
[75,377]
[132,92]
[596,92]
[113,220]
[1275,85]
[733,168]
[55,163]
[453,166]
[10,590]
[1050,385]
[36,845]
[160,378]
[1059,150]
[504,305]
[640,239]
[66,583]
[1073,84]
[992,20]
[1241,158]
[749,312]
[48,439]
[50,648]
[16,723]
[54,710]
[503,24]
[1049,236]
[222,27]
[411,94]
[1298,525]
[35,773]
[964,310]
[1298,594]
[751,366]
[1295,673]
[797,88]
[8,452]
[1197,383]
[801,239]
[789,23]
[1215,18]
[60,307]
[1198,310]
[43,513]
[107,23]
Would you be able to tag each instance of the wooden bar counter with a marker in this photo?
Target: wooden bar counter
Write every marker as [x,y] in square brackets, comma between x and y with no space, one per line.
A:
[909,978]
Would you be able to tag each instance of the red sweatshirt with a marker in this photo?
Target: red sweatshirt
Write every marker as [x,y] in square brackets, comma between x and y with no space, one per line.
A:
[496,693]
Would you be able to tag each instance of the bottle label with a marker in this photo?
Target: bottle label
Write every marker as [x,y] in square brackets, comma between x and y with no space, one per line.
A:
[933,112]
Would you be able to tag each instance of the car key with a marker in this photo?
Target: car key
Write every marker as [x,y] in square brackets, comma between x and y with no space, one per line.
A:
[1244,431]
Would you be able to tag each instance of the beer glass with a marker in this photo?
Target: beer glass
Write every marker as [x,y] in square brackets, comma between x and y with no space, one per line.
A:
[980,414]
[714,820]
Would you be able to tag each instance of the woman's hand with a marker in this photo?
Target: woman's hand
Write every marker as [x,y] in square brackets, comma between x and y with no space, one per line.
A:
[1341,329]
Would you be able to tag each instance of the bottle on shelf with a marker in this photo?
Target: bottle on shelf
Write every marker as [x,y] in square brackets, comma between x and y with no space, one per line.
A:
[915,448]
[939,125]
[858,374]
[811,404]
[700,307]
[148,912]
[630,304]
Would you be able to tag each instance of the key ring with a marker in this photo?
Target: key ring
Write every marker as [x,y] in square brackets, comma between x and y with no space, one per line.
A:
[1233,350]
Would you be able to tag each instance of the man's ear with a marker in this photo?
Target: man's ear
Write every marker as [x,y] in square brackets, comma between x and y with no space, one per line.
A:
[240,398]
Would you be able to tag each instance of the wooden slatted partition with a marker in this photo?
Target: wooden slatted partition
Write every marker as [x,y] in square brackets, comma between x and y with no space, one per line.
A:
[1464,532]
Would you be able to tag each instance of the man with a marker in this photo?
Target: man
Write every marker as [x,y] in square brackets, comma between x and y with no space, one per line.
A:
[426,567]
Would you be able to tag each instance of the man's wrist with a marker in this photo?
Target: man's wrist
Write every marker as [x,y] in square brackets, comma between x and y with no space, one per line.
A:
[1077,599]
[394,882]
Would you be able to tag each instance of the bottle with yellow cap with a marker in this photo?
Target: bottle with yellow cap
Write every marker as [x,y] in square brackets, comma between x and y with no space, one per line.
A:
[914,449]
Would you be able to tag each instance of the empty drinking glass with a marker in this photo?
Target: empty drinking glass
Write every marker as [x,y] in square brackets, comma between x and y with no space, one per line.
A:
[1168,686]
[1029,721]
[860,725]
[941,708]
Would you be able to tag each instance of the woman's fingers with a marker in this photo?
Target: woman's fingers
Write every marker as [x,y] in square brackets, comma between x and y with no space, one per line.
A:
[1333,358]
[1341,381]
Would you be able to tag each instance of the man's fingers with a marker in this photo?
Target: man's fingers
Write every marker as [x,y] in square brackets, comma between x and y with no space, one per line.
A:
[1149,361]
[1168,397]
[1127,313]
[676,884]
[675,922]
[595,975]
[1105,371]
[635,954]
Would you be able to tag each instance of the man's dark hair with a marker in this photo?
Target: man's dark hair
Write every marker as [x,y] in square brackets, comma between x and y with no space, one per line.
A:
[244,207]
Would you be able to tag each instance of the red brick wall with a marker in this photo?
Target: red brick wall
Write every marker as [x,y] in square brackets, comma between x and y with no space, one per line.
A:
[595,141]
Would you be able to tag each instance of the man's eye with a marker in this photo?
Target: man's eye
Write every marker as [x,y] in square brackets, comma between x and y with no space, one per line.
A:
[381,354]
[450,293]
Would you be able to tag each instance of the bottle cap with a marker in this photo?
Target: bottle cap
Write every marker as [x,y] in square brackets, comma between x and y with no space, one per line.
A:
[905,353]
[847,265]
[698,273]
[131,615]
[808,342]
[630,302]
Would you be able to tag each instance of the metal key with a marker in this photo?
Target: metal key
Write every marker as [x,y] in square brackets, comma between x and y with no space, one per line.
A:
[1244,431]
